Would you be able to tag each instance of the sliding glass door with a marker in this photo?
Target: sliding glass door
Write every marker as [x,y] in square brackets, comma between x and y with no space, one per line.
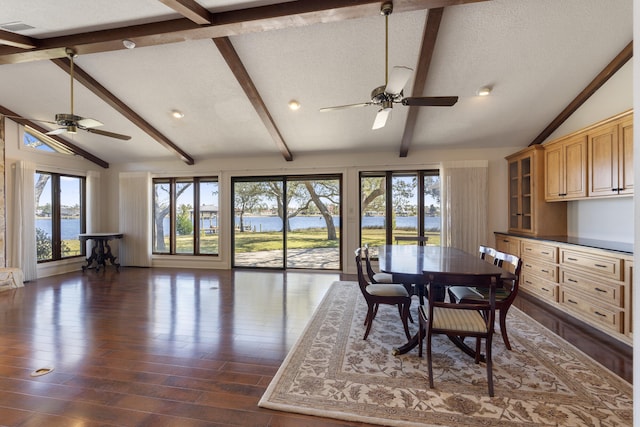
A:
[287,222]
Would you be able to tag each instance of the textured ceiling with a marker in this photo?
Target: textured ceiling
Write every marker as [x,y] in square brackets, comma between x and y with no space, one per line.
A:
[536,54]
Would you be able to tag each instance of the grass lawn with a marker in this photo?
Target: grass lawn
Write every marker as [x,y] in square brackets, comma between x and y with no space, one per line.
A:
[269,241]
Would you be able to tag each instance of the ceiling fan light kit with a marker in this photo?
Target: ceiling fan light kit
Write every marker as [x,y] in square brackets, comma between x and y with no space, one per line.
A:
[392,91]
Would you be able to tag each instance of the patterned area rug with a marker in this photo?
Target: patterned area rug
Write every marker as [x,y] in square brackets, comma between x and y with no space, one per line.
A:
[332,372]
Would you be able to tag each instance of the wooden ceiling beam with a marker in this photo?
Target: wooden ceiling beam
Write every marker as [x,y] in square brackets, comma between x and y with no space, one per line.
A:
[434,17]
[73,148]
[17,40]
[625,55]
[224,24]
[190,10]
[236,66]
[94,86]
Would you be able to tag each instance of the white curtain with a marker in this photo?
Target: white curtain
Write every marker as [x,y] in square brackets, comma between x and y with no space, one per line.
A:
[465,204]
[94,219]
[23,220]
[135,219]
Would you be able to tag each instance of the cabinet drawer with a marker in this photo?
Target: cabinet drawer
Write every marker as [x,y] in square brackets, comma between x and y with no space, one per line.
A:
[608,317]
[610,293]
[538,250]
[602,265]
[542,270]
[540,287]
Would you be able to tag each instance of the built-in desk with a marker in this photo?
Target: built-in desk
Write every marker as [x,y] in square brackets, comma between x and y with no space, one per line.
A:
[101,251]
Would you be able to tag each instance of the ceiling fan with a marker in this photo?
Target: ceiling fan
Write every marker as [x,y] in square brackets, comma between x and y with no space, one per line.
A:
[391,93]
[69,122]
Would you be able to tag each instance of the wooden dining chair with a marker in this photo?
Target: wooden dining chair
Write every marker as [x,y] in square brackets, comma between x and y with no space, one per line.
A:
[505,293]
[374,277]
[382,293]
[486,251]
[474,319]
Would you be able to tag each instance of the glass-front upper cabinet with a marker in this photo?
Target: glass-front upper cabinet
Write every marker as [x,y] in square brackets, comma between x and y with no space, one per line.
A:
[529,214]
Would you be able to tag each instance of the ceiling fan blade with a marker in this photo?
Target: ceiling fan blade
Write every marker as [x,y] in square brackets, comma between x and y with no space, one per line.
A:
[89,123]
[430,101]
[109,134]
[344,107]
[381,118]
[56,131]
[398,79]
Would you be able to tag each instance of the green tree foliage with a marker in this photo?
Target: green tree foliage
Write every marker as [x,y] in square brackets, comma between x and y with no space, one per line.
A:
[44,249]
[184,226]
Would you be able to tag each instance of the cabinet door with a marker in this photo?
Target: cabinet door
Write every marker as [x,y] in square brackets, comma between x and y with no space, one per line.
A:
[603,161]
[625,157]
[554,173]
[575,167]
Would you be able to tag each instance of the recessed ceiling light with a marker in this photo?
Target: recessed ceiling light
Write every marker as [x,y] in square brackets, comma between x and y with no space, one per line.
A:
[484,91]
[129,44]
[177,114]
[294,105]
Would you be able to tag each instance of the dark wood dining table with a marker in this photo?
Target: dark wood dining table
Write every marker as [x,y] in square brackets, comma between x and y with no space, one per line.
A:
[411,264]
[101,251]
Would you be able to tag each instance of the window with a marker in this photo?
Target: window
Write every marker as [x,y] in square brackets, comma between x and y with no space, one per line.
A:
[60,215]
[185,216]
[395,204]
[35,140]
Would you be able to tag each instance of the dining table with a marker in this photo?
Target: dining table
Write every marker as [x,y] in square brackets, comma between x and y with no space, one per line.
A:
[412,264]
[101,250]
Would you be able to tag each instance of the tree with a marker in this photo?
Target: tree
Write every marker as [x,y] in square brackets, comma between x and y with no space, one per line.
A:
[248,196]
[327,190]
[184,226]
[161,209]
[372,189]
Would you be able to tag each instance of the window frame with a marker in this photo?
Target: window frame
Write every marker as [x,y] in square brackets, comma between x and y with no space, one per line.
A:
[173,182]
[56,214]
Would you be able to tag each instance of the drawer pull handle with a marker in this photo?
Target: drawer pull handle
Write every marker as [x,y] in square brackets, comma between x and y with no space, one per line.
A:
[545,289]
[545,253]
[562,194]
[600,266]
[528,265]
[528,249]
[572,301]
[601,290]
[572,259]
[529,283]
[599,314]
[545,271]
[572,280]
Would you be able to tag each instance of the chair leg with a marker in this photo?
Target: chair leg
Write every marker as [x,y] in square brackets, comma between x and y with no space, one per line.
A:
[429,360]
[489,366]
[369,320]
[404,315]
[503,328]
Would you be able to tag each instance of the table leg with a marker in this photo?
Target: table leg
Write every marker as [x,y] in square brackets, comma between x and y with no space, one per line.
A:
[112,259]
[93,257]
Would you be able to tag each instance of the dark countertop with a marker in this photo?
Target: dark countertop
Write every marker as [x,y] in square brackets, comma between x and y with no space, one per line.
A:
[625,248]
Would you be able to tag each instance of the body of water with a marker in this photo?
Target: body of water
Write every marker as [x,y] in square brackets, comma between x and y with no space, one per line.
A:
[71,227]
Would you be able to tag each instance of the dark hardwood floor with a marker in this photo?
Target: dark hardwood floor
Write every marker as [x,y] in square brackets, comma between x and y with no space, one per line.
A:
[167,347]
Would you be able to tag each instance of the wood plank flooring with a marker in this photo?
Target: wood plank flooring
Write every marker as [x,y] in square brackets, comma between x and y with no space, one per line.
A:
[159,347]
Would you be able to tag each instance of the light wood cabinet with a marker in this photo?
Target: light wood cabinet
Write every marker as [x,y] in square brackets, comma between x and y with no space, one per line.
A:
[566,169]
[593,285]
[611,158]
[529,213]
[628,297]
[508,244]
